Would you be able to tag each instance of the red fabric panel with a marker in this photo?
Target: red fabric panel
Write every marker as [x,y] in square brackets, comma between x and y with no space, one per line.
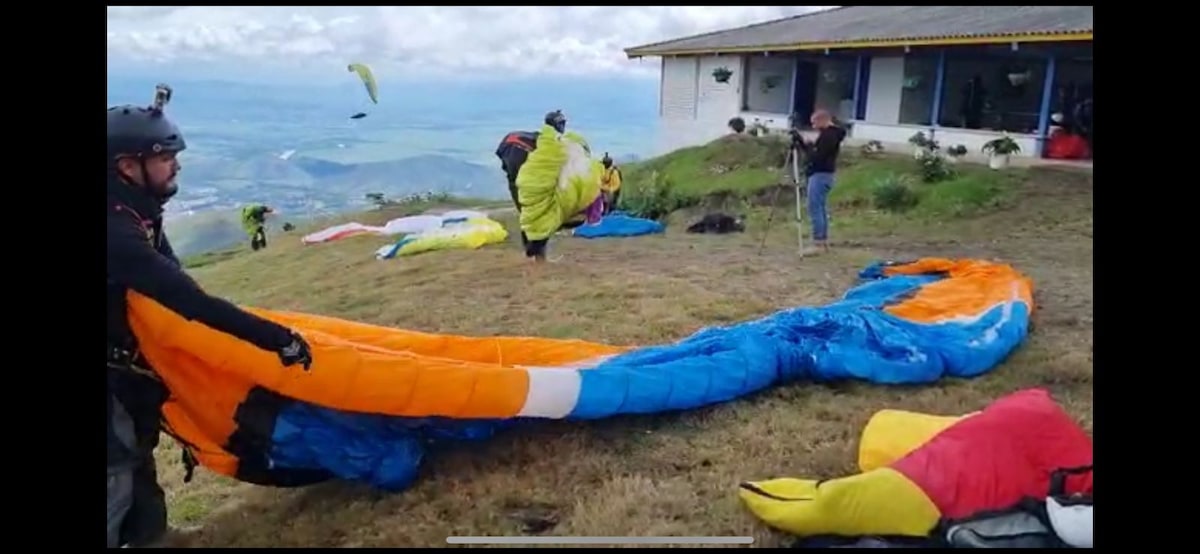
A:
[1065,146]
[993,459]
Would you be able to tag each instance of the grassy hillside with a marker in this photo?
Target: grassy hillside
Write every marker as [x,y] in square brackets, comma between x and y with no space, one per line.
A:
[669,474]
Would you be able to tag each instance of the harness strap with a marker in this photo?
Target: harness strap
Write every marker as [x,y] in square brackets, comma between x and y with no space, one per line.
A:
[129,360]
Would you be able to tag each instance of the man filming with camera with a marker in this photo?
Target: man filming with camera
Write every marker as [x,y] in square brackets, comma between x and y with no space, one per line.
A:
[822,164]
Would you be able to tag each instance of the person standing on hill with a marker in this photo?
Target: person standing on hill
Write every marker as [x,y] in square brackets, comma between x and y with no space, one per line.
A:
[142,149]
[254,221]
[610,184]
[822,157]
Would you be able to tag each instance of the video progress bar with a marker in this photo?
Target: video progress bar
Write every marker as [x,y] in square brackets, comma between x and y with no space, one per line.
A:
[599,540]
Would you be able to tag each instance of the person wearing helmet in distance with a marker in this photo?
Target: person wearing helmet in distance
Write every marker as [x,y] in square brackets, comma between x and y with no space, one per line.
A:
[254,222]
[610,184]
[142,148]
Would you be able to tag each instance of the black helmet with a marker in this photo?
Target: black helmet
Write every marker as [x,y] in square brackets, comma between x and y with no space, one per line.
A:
[606,160]
[141,131]
[557,120]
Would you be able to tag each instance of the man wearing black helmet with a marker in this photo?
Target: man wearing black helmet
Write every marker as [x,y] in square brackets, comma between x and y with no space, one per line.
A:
[557,120]
[142,165]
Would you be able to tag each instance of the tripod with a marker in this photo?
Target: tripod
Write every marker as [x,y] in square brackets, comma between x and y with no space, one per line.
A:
[793,160]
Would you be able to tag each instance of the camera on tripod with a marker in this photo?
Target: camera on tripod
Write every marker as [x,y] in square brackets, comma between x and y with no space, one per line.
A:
[794,130]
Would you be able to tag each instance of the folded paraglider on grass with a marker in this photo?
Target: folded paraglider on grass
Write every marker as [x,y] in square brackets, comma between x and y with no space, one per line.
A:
[377,397]
[1016,474]
[619,224]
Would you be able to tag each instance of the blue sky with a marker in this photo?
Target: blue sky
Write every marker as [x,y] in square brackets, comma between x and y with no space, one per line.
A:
[307,43]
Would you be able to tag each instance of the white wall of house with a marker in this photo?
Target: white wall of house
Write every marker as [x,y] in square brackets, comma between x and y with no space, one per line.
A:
[693,107]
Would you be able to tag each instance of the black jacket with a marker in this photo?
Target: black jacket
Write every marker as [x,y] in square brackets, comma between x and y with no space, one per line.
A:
[513,150]
[140,258]
[823,154]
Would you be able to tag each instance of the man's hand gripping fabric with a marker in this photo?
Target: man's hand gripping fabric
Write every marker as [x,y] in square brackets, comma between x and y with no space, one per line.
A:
[296,352]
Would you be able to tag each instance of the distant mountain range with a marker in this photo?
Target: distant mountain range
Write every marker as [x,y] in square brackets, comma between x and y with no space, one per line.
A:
[416,174]
[303,183]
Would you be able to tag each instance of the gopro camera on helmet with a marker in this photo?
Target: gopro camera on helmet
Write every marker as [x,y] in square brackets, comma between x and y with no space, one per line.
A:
[162,96]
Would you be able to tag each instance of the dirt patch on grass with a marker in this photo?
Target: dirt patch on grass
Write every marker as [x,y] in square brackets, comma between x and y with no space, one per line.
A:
[673,474]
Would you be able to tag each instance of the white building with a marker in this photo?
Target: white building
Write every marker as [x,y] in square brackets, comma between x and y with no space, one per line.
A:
[961,74]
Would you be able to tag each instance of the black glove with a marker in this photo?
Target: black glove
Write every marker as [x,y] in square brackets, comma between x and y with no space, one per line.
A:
[296,352]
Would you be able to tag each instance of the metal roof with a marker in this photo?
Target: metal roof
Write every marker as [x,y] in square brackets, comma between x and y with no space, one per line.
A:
[865,26]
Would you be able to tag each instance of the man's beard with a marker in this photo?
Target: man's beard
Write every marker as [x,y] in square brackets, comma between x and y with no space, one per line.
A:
[167,190]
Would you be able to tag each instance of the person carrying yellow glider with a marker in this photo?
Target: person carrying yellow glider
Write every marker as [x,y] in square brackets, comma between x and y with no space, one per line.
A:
[142,165]
[558,186]
[254,222]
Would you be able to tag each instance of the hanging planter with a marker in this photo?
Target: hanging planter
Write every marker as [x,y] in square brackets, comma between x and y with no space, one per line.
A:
[722,74]
[770,82]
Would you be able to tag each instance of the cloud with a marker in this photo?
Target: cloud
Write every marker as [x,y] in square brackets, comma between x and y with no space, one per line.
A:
[419,40]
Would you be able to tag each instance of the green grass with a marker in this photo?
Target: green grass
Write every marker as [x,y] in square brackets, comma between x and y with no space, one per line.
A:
[731,174]
[739,166]
[209,258]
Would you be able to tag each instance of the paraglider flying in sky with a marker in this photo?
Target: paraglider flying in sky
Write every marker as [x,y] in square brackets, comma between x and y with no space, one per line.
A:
[368,80]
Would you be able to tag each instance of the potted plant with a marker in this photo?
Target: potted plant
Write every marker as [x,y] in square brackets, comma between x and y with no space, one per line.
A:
[871,148]
[956,152]
[758,129]
[922,145]
[722,74]
[999,150]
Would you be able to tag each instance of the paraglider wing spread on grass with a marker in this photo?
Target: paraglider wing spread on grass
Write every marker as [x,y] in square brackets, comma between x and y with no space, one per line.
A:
[377,397]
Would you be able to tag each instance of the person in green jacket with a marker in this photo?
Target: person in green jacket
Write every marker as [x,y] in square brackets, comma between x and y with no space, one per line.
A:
[254,221]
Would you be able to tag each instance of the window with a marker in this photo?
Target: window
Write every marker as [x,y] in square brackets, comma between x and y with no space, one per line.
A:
[916,94]
[835,86]
[768,84]
[993,93]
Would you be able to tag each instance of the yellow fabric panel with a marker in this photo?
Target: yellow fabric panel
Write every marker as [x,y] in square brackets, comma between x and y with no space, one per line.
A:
[611,181]
[474,234]
[578,180]
[881,502]
[537,184]
[892,434]
[557,181]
